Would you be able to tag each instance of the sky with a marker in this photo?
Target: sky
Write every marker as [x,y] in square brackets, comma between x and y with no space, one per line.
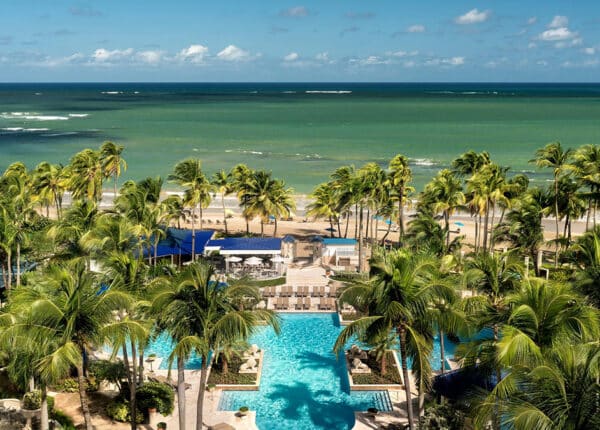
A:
[283,41]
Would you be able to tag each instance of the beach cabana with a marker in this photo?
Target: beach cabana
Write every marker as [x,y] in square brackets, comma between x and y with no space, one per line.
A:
[339,252]
[256,252]
[178,242]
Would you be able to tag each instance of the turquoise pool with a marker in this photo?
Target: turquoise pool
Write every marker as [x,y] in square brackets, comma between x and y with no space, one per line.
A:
[303,386]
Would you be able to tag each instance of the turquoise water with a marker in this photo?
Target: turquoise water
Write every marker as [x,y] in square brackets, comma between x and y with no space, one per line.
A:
[299,134]
[303,385]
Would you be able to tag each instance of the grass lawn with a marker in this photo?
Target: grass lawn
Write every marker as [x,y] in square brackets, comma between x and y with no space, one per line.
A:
[391,376]
[232,376]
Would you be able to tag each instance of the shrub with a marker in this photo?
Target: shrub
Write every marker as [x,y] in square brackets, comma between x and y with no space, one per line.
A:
[63,419]
[110,371]
[33,400]
[68,386]
[120,411]
[442,417]
[156,395]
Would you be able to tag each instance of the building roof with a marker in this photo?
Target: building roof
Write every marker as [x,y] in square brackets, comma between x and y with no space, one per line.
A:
[335,241]
[245,245]
[288,238]
[179,241]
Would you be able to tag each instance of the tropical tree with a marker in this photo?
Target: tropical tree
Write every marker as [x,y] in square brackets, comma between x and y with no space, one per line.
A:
[400,176]
[241,179]
[201,316]
[112,162]
[586,167]
[553,156]
[222,181]
[197,188]
[86,175]
[49,184]
[324,205]
[397,298]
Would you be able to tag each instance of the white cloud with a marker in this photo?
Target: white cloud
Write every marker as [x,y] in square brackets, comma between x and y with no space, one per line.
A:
[102,55]
[371,60]
[292,56]
[559,21]
[556,34]
[150,57]
[400,54]
[193,54]
[589,51]
[569,43]
[417,28]
[473,16]
[452,61]
[322,56]
[233,53]
[532,20]
[297,12]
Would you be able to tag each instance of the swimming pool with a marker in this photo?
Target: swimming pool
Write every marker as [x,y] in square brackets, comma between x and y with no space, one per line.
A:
[303,385]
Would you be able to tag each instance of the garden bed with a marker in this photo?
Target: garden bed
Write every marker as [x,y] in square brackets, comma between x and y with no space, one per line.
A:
[391,379]
[233,380]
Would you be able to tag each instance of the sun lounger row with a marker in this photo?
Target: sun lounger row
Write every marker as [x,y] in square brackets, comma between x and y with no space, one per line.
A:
[289,291]
[303,303]
[327,304]
[281,303]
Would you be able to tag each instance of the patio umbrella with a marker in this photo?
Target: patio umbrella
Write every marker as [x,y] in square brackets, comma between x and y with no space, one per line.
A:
[233,259]
[458,223]
[253,261]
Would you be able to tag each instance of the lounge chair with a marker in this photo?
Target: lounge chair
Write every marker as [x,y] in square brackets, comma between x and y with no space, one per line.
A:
[323,305]
[333,289]
[285,305]
[331,301]
[299,304]
[306,303]
[321,291]
[314,292]
[249,366]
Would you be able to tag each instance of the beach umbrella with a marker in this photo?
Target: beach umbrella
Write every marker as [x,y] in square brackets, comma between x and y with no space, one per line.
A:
[458,223]
[330,229]
[253,261]
[388,221]
[233,259]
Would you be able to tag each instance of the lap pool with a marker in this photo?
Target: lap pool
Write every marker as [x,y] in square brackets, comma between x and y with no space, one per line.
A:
[303,385]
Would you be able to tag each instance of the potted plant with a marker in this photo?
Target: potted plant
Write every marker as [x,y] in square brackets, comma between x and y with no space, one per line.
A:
[161,426]
[243,411]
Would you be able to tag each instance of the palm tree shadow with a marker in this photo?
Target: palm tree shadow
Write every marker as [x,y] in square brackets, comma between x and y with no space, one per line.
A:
[322,410]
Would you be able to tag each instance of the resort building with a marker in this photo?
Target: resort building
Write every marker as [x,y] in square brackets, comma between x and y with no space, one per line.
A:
[337,253]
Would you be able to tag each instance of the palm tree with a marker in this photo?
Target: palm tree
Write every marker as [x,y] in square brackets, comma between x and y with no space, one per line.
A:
[400,176]
[189,175]
[397,298]
[112,162]
[68,231]
[86,175]
[470,162]
[63,304]
[586,166]
[49,185]
[242,177]
[586,257]
[444,194]
[201,316]
[222,181]
[324,205]
[555,157]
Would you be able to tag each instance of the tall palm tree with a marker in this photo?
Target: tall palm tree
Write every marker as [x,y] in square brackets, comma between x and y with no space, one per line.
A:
[197,188]
[63,304]
[201,316]
[553,156]
[586,257]
[49,184]
[396,298]
[86,175]
[324,205]
[68,231]
[112,162]
[470,162]
[400,176]
[586,166]
[222,181]
[242,178]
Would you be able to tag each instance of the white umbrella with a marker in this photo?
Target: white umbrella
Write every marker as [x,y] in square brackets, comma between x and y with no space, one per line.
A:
[278,259]
[233,259]
[253,261]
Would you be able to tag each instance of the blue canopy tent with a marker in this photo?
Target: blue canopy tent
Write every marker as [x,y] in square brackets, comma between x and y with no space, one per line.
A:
[179,242]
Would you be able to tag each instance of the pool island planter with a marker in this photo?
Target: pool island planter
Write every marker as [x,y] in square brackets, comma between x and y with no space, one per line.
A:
[375,387]
[243,387]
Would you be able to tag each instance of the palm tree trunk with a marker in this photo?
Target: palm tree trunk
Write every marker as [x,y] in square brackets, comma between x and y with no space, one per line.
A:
[201,221]
[155,251]
[356,221]
[369,224]
[384,363]
[386,233]
[588,215]
[556,219]
[115,186]
[200,404]
[181,391]
[247,225]
[275,230]
[409,408]
[44,424]
[347,224]
[442,352]
[126,363]
[224,213]
[485,227]
[496,418]
[9,267]
[87,417]
[18,264]
[141,366]
[330,227]
[224,364]
[262,227]
[339,226]
[360,241]
[401,213]
[193,234]
[492,226]
[133,387]
[476,235]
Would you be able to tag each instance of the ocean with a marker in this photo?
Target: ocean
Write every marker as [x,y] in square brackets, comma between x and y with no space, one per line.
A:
[299,131]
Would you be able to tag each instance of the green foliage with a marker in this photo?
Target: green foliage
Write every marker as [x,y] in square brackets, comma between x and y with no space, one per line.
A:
[110,371]
[120,411]
[231,377]
[33,400]
[350,276]
[156,395]
[442,417]
[391,376]
[68,386]
[63,419]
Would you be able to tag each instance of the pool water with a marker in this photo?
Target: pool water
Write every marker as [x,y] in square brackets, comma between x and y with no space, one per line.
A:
[303,385]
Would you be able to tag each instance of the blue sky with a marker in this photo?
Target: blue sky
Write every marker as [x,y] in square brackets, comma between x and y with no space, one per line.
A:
[278,40]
